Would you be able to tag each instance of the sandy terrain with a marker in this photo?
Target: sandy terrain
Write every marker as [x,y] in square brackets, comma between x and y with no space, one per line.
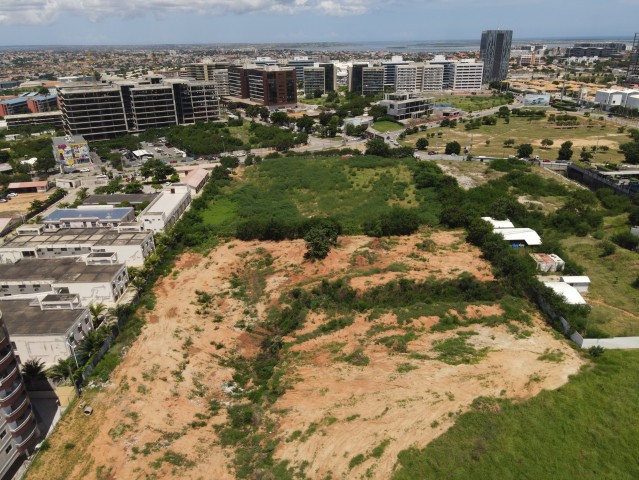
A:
[157,400]
[20,205]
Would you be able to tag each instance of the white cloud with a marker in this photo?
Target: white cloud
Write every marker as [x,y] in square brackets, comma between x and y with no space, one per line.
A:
[38,12]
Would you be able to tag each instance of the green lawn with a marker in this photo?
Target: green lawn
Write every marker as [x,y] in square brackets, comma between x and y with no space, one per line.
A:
[615,303]
[386,126]
[587,430]
[472,103]
[523,130]
[350,190]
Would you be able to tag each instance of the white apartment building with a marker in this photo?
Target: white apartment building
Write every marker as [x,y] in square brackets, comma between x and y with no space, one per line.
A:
[129,243]
[468,75]
[624,97]
[94,280]
[48,329]
[419,77]
[166,209]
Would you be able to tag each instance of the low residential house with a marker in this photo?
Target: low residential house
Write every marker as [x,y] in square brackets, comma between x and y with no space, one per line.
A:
[167,208]
[29,187]
[95,278]
[88,216]
[571,294]
[548,262]
[580,282]
[196,179]
[517,237]
[47,329]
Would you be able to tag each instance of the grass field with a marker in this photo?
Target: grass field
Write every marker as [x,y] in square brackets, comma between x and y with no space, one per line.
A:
[350,190]
[587,429]
[523,130]
[386,126]
[473,102]
[615,303]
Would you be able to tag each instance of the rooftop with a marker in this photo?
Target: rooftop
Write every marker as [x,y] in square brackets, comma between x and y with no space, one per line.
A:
[61,270]
[24,317]
[575,279]
[43,183]
[195,177]
[132,198]
[115,213]
[570,293]
[68,139]
[78,236]
[499,223]
[165,202]
[527,235]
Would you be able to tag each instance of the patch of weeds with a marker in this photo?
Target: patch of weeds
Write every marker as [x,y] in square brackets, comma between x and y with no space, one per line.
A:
[486,404]
[151,374]
[398,267]
[353,417]
[312,428]
[426,245]
[329,327]
[294,436]
[457,350]
[378,451]
[69,446]
[357,358]
[102,472]
[434,424]
[406,367]
[119,430]
[214,407]
[356,460]
[397,343]
[418,356]
[142,389]
[555,356]
[133,416]
[173,458]
[199,389]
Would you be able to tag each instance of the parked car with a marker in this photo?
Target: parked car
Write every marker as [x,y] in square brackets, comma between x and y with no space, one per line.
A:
[12,195]
[84,170]
[3,200]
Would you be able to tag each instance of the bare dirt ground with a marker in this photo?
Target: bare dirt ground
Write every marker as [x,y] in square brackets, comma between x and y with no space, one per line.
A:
[152,420]
[469,174]
[20,204]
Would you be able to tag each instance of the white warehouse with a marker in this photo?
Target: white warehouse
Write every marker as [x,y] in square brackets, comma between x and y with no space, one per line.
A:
[166,209]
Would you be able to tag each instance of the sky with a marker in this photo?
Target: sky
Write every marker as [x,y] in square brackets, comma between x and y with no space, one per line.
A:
[127,22]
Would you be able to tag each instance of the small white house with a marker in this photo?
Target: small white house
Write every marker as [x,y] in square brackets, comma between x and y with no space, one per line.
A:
[580,283]
[570,293]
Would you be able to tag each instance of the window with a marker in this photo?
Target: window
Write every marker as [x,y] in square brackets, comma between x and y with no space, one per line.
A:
[3,434]
[79,327]
[8,449]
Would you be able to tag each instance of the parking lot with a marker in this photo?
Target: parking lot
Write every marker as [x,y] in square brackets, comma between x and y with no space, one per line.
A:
[163,151]
[20,205]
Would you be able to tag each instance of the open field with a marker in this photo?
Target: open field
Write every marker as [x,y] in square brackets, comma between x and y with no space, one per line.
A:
[386,126]
[615,304]
[523,130]
[472,103]
[587,429]
[20,205]
[351,388]
[350,190]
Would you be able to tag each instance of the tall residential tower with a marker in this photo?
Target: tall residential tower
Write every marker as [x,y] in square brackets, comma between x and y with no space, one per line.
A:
[495,53]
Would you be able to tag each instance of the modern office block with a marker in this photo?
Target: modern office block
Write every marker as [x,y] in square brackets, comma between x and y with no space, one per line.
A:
[406,105]
[495,53]
[372,80]
[299,63]
[265,85]
[468,75]
[314,80]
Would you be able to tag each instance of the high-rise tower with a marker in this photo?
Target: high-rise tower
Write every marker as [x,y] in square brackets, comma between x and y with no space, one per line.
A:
[495,53]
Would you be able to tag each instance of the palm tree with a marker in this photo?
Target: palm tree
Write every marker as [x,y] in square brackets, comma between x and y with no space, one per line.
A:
[96,310]
[91,344]
[33,369]
[60,370]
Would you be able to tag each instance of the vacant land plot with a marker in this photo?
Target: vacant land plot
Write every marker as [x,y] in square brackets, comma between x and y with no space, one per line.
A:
[523,130]
[557,434]
[615,303]
[355,387]
[20,205]
[351,190]
[472,103]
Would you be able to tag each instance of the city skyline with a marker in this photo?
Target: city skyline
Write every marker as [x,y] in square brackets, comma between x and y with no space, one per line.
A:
[112,22]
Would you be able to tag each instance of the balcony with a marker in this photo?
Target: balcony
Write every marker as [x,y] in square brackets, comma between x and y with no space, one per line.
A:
[13,396]
[6,359]
[22,403]
[8,379]
[27,440]
[22,424]
[5,340]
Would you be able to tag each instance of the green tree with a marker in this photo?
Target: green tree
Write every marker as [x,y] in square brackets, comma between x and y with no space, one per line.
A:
[96,310]
[320,238]
[547,142]
[280,118]
[421,144]
[630,152]
[264,113]
[525,150]
[565,151]
[156,169]
[91,344]
[44,163]
[453,148]
[60,370]
[377,146]
[585,156]
[305,124]
[503,112]
[32,370]
[377,111]
[134,186]
[509,142]
[36,206]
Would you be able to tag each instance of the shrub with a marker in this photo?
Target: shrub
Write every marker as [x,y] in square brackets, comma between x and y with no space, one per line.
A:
[453,148]
[626,240]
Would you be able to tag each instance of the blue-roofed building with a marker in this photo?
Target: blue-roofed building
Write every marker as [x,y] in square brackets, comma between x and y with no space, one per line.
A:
[88,216]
